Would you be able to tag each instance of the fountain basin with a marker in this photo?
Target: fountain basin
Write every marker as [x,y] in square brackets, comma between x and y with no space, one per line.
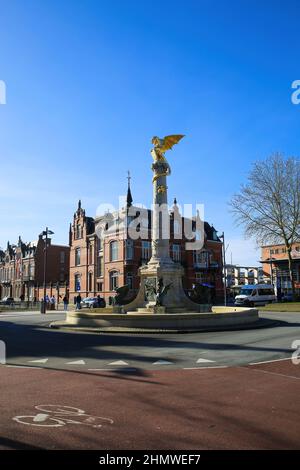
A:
[219,318]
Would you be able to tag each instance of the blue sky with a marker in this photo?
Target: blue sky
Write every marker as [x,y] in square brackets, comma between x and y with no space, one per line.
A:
[90,82]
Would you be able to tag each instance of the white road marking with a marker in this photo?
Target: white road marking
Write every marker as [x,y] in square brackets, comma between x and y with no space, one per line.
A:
[268,362]
[114,370]
[25,367]
[204,360]
[61,416]
[162,363]
[77,363]
[39,418]
[210,367]
[40,361]
[262,371]
[118,363]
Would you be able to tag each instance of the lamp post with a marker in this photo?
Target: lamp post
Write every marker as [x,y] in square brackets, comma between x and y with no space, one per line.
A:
[224,268]
[44,236]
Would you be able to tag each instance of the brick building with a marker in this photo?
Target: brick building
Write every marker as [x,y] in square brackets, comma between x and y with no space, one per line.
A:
[22,269]
[103,256]
[274,259]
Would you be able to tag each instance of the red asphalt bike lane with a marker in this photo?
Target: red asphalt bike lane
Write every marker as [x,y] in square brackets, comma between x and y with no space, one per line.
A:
[251,407]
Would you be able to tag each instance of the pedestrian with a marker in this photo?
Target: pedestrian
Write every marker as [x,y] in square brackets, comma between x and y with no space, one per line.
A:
[100,302]
[78,302]
[52,302]
[66,302]
[47,301]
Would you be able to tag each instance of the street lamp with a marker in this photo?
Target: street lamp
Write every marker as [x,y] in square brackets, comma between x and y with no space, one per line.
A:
[44,236]
[224,267]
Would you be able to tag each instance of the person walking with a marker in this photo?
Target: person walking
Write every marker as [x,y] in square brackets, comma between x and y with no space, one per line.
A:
[78,302]
[47,301]
[66,303]
[52,302]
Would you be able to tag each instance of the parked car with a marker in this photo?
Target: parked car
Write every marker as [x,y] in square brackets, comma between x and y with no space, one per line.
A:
[7,301]
[256,294]
[93,302]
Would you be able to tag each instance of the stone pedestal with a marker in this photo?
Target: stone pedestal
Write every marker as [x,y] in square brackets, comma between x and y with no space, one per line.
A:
[175,300]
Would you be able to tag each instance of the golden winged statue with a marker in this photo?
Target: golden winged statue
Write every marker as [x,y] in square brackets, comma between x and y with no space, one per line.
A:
[162,145]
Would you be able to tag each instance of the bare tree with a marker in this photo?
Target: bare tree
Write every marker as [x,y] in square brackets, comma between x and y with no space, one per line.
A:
[268,206]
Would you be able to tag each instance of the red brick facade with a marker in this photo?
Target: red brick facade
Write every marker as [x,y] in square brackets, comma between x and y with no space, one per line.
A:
[100,263]
[275,258]
[22,269]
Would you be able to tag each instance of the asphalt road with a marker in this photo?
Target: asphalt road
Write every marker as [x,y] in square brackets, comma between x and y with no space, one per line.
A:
[28,339]
[119,397]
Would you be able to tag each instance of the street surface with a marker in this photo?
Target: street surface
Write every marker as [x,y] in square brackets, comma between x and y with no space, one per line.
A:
[219,390]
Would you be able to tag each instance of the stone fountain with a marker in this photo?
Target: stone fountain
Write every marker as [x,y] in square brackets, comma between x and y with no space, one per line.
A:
[161,304]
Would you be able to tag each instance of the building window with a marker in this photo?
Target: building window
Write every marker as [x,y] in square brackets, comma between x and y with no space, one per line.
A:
[114,251]
[91,254]
[176,252]
[77,257]
[146,250]
[99,266]
[77,282]
[99,244]
[200,257]
[129,280]
[113,280]
[129,249]
[99,286]
[62,257]
[90,282]
[78,231]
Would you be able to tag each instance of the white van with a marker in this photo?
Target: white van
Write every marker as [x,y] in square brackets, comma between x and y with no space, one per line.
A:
[256,294]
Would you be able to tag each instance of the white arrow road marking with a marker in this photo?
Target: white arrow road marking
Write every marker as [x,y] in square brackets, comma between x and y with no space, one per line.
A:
[118,363]
[79,363]
[204,360]
[40,361]
[162,363]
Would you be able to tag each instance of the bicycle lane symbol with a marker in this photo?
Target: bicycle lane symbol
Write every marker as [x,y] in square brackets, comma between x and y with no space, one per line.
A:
[57,416]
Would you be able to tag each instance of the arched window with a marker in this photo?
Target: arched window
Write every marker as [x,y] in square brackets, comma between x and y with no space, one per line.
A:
[114,251]
[113,280]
